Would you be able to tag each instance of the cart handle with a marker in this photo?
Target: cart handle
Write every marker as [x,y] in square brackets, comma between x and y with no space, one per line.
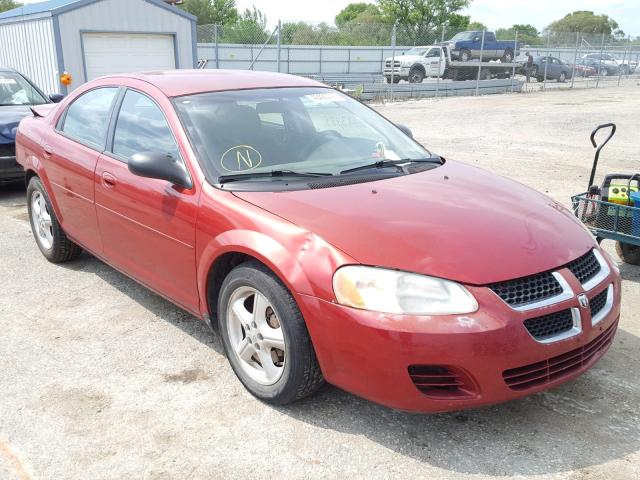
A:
[595,145]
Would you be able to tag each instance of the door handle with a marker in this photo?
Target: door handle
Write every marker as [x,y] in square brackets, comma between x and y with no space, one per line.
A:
[46,152]
[108,180]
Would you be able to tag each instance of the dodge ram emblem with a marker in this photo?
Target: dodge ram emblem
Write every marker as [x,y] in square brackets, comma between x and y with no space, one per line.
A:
[583,300]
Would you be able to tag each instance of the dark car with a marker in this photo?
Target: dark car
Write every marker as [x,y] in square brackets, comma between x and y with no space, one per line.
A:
[585,68]
[552,67]
[17,95]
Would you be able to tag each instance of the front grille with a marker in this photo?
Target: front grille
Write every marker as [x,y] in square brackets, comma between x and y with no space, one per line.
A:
[439,381]
[7,150]
[540,373]
[542,328]
[598,302]
[586,267]
[395,64]
[525,290]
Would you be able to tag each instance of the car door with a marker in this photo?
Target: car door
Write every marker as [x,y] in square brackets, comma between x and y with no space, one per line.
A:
[147,225]
[491,46]
[71,153]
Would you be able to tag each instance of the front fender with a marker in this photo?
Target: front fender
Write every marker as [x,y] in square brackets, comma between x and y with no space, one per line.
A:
[304,262]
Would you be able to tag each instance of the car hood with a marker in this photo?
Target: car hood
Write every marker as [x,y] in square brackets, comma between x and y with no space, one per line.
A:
[456,222]
[406,58]
[10,117]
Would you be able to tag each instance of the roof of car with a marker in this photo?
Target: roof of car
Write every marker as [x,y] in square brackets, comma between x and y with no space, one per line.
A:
[175,83]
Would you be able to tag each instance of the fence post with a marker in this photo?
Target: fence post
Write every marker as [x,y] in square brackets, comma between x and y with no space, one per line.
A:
[393,60]
[440,63]
[279,40]
[515,50]
[601,52]
[215,41]
[480,63]
[575,59]
[546,61]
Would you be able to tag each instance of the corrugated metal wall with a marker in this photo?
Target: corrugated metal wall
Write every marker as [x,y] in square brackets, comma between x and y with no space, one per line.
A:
[30,48]
[130,16]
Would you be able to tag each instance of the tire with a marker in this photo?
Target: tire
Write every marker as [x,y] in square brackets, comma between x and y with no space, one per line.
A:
[508,56]
[624,69]
[298,374]
[387,79]
[485,74]
[534,72]
[628,253]
[562,78]
[50,238]
[603,72]
[416,75]
[540,79]
[465,55]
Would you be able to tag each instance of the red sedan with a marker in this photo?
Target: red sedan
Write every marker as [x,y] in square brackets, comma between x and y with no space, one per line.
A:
[321,239]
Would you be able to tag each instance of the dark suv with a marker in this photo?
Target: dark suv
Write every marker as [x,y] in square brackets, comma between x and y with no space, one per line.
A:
[17,94]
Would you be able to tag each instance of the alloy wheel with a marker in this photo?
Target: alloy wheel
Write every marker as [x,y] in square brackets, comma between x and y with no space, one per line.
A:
[256,335]
[41,220]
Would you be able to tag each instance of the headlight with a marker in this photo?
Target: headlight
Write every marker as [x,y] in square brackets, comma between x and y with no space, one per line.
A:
[392,291]
[406,63]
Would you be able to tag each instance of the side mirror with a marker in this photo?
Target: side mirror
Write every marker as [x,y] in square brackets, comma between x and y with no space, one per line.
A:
[160,166]
[56,97]
[406,130]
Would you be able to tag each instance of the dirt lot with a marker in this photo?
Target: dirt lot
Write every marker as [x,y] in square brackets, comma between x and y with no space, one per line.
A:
[102,379]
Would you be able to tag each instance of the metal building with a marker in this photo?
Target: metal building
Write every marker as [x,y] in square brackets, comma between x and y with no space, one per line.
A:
[91,38]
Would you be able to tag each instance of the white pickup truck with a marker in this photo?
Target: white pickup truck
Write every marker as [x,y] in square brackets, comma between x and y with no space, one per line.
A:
[418,63]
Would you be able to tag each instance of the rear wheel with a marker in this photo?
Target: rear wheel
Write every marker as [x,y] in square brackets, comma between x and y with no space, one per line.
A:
[628,253]
[265,337]
[50,238]
[508,56]
[604,72]
[624,69]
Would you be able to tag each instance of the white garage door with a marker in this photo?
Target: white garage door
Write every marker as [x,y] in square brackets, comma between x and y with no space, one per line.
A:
[108,53]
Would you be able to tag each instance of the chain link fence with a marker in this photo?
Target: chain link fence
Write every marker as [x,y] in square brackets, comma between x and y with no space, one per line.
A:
[381,61]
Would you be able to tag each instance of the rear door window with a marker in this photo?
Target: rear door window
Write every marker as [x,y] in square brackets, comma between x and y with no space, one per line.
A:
[87,118]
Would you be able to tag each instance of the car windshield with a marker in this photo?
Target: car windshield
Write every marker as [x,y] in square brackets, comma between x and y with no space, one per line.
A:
[16,90]
[462,36]
[292,130]
[416,51]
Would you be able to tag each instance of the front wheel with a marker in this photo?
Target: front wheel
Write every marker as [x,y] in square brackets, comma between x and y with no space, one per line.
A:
[416,75]
[604,72]
[50,238]
[265,337]
[628,253]
[465,55]
[562,78]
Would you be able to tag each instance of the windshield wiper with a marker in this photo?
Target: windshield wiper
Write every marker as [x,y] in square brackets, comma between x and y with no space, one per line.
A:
[392,163]
[272,174]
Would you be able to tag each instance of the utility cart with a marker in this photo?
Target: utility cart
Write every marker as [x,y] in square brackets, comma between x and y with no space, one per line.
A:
[612,210]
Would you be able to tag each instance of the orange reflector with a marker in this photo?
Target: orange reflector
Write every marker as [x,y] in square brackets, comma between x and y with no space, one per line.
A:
[65,79]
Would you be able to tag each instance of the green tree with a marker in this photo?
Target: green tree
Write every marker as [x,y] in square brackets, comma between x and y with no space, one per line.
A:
[221,12]
[585,22]
[527,34]
[251,27]
[417,20]
[477,26]
[358,12]
[8,5]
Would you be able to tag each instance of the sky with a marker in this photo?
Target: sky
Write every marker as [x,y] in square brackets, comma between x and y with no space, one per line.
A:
[493,13]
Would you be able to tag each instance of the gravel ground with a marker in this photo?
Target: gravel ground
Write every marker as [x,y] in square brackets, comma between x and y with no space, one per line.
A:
[103,379]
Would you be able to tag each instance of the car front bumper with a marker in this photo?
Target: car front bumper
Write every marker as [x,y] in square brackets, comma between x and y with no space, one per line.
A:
[380,356]
[401,72]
